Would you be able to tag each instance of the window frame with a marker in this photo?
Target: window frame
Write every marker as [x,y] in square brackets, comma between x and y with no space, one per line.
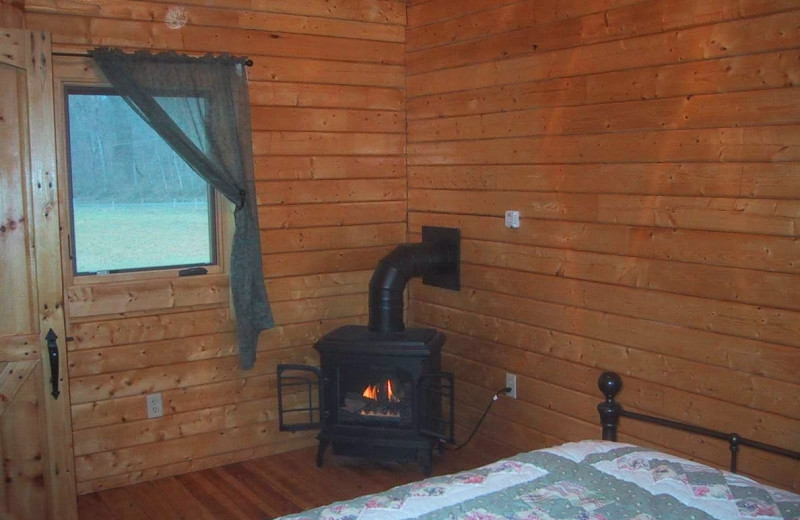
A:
[76,73]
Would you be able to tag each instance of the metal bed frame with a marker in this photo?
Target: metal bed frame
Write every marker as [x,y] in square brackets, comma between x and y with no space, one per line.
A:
[610,411]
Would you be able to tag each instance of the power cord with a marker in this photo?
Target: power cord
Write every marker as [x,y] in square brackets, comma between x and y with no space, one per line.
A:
[474,430]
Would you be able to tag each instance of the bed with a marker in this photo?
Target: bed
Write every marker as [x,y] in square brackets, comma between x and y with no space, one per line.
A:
[588,480]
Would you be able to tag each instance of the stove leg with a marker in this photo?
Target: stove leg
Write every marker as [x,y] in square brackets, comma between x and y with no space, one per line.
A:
[323,445]
[425,458]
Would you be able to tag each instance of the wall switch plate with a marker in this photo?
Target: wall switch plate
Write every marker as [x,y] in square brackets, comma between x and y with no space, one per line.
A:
[155,407]
[512,219]
[511,382]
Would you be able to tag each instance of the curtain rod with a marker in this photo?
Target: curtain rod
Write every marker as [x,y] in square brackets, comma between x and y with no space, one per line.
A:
[247,62]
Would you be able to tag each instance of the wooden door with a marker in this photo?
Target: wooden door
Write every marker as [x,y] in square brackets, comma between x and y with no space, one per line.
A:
[37,478]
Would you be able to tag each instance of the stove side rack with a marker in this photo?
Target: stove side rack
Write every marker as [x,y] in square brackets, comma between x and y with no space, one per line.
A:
[436,406]
[294,380]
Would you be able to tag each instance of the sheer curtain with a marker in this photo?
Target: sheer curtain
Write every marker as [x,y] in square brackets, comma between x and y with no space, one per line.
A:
[200,107]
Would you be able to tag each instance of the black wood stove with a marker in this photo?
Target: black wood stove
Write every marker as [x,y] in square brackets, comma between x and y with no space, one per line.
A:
[379,392]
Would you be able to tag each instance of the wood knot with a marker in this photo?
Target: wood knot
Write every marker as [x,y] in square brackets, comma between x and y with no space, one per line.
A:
[11,225]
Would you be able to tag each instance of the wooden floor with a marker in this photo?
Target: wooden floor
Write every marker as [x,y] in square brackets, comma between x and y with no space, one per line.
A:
[268,487]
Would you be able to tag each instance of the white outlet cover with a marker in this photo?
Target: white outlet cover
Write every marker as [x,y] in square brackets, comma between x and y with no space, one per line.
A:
[155,406]
[512,219]
[511,382]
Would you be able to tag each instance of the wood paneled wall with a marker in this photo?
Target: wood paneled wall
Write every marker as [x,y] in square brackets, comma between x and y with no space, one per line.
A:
[328,113]
[12,13]
[651,148]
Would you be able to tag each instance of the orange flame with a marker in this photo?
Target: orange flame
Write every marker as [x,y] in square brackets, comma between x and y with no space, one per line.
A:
[374,391]
[371,392]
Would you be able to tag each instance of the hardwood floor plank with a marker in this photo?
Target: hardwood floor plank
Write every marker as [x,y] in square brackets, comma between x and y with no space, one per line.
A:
[214,500]
[153,501]
[182,499]
[92,507]
[245,500]
[271,501]
[285,482]
[122,505]
[273,486]
[277,503]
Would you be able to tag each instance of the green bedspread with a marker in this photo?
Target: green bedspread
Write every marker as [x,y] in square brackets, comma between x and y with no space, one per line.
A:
[580,481]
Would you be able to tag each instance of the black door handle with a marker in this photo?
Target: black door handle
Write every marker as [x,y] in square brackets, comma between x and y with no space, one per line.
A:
[52,350]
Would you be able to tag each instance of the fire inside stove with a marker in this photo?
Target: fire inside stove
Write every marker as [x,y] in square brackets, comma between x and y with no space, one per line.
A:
[379,400]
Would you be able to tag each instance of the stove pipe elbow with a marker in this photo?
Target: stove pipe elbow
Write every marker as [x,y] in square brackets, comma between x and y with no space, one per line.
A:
[429,259]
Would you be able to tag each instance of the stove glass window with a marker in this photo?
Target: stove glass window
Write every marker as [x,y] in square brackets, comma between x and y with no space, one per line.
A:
[376,396]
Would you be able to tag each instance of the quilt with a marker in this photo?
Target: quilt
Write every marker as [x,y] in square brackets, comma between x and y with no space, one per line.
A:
[589,480]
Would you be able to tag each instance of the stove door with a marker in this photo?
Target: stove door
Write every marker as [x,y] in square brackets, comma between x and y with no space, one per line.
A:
[436,404]
[299,397]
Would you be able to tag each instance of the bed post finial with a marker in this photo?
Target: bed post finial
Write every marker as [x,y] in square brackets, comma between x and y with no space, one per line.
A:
[609,384]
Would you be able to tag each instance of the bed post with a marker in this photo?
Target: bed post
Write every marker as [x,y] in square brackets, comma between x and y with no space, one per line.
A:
[609,384]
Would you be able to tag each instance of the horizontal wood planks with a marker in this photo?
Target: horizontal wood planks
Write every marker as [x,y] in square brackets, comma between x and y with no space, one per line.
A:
[651,148]
[12,14]
[328,118]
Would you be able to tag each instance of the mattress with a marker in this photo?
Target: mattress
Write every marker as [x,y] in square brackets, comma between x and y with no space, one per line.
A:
[589,480]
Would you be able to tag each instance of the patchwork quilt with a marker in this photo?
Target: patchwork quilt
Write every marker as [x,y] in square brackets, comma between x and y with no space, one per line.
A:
[587,480]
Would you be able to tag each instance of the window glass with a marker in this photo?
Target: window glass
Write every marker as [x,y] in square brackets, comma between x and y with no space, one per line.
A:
[135,203]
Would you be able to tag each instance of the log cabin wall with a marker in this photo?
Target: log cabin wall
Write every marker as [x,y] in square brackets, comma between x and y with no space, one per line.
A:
[651,148]
[12,13]
[327,96]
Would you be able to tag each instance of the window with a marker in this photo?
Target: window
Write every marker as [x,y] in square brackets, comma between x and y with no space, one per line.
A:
[135,204]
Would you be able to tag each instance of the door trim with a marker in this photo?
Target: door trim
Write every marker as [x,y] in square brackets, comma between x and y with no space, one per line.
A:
[31,51]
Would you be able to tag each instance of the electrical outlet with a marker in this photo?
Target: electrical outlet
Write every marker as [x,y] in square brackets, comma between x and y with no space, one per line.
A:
[512,219]
[155,407]
[511,382]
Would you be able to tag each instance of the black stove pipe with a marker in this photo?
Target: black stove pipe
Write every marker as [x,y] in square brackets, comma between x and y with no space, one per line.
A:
[428,259]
